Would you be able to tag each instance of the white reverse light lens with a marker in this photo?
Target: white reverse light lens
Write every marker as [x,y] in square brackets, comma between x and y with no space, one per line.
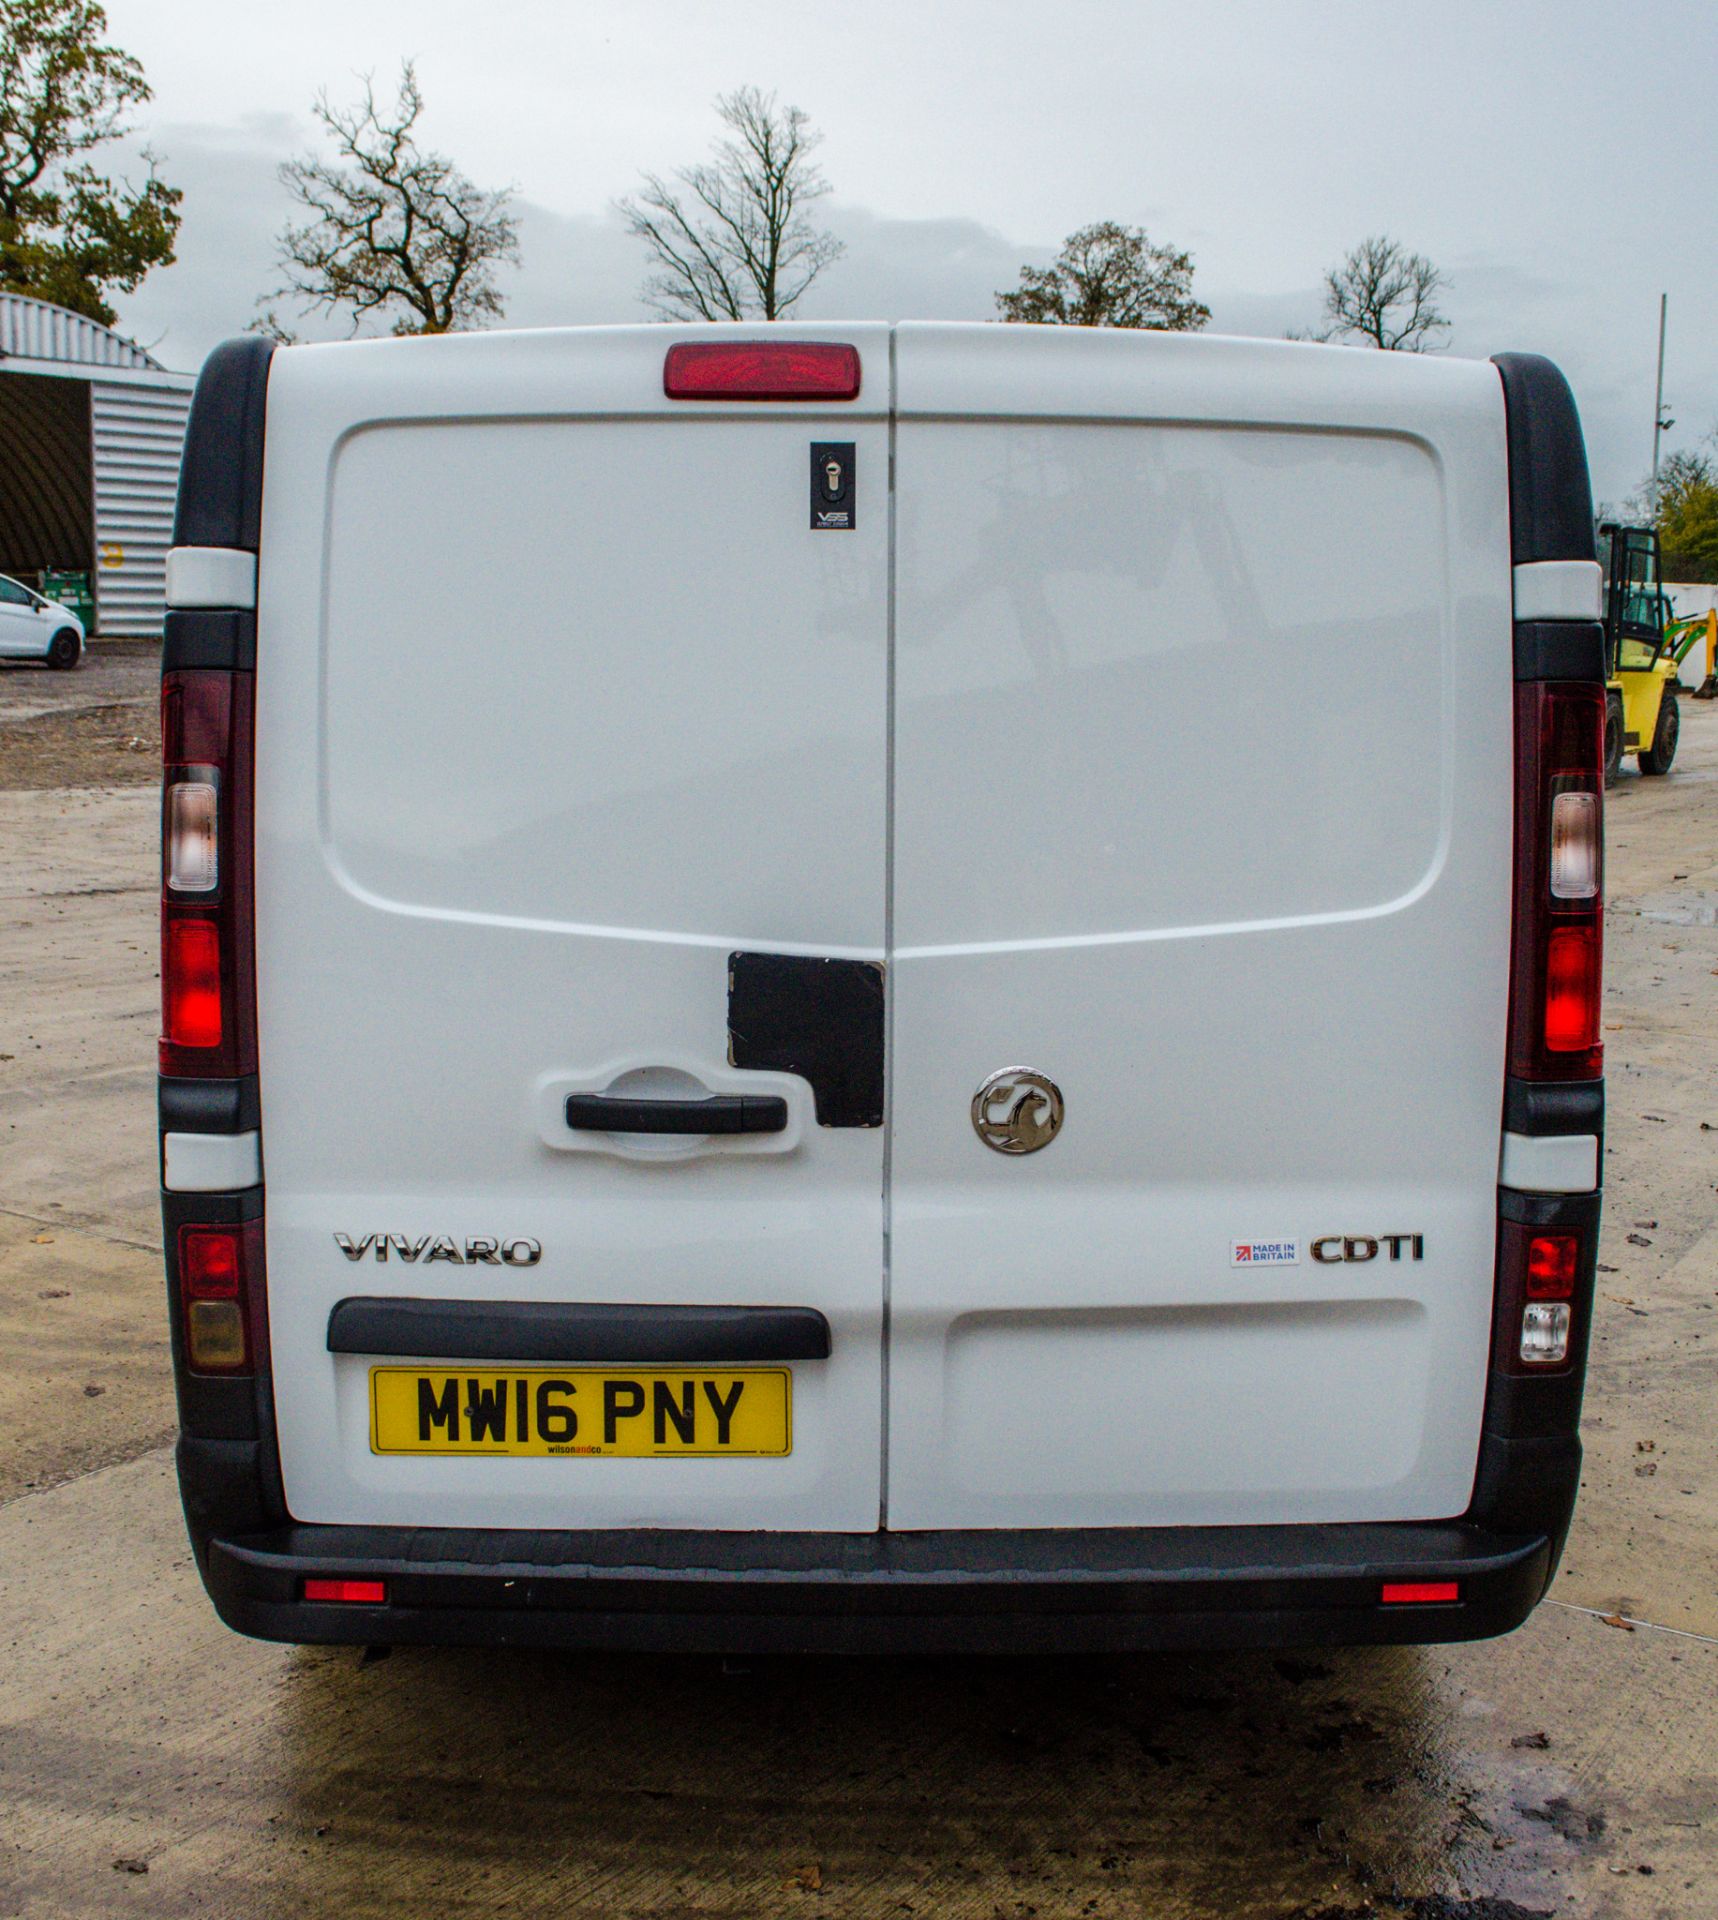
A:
[1574,846]
[191,837]
[1545,1332]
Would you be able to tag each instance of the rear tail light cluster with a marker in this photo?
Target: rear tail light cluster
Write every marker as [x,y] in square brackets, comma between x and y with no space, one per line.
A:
[1538,1278]
[1556,969]
[208,1018]
[208,985]
[220,1296]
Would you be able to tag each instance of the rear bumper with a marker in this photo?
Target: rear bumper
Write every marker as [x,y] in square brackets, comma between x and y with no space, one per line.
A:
[958,1592]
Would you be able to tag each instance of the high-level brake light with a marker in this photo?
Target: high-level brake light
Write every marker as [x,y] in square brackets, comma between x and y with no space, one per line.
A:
[761,370]
[1557,961]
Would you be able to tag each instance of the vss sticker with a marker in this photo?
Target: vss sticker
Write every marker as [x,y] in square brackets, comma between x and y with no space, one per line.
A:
[1264,1253]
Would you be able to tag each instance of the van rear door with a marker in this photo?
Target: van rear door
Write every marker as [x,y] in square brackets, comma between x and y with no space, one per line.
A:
[562,703]
[1202,778]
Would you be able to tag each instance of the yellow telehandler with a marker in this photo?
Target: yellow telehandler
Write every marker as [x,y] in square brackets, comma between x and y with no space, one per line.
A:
[1641,714]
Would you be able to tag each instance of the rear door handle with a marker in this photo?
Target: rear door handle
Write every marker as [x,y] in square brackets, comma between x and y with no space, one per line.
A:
[720,1113]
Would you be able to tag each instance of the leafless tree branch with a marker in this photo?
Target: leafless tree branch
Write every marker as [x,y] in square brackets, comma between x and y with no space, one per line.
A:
[393,230]
[731,238]
[1386,296]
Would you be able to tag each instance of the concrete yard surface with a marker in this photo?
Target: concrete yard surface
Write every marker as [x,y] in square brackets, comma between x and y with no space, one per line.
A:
[152,1763]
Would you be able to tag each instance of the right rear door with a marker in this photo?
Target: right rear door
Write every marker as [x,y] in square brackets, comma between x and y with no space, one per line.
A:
[1201,784]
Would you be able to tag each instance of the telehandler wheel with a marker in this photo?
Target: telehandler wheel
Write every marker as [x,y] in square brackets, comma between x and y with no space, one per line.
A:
[1613,737]
[1657,757]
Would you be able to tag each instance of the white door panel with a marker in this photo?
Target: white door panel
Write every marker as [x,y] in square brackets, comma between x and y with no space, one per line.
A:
[1201,810]
[571,705]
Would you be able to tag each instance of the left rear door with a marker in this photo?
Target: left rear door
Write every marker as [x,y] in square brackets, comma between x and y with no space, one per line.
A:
[561,703]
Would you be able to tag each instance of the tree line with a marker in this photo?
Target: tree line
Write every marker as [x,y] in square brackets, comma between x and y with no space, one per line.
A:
[389,231]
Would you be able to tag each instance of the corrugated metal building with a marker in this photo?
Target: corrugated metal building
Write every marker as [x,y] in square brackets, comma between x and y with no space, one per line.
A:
[90,433]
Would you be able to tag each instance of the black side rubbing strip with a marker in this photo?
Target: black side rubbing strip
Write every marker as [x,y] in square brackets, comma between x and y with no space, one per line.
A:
[1550,497]
[220,475]
[1559,650]
[821,1019]
[536,1330]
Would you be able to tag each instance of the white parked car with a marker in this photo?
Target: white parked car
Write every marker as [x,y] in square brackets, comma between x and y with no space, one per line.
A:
[968,1019]
[34,628]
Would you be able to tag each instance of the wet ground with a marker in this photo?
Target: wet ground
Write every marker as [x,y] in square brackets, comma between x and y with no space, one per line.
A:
[151,1763]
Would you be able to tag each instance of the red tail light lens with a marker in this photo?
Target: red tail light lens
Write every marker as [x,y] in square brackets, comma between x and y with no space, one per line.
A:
[210,1262]
[1557,960]
[220,1295]
[208,1013]
[191,984]
[1572,989]
[1551,1260]
[761,370]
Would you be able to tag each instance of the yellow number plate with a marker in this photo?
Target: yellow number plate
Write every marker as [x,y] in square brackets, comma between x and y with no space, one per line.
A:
[635,1412]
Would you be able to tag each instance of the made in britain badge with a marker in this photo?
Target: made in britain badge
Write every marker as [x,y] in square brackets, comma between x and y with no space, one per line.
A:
[1264,1253]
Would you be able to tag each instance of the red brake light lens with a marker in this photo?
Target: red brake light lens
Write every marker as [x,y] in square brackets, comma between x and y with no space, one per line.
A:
[191,984]
[761,370]
[210,1262]
[1572,989]
[1551,1261]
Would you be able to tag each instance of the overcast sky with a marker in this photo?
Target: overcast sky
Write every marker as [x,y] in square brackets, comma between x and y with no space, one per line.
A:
[1557,158]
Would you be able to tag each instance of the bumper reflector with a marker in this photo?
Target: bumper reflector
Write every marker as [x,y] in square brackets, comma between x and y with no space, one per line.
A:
[360,1593]
[1420,1593]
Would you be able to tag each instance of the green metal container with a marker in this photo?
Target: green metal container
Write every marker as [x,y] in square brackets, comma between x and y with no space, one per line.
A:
[71,590]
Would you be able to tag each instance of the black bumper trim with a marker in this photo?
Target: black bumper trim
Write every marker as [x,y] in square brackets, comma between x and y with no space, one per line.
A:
[985,1591]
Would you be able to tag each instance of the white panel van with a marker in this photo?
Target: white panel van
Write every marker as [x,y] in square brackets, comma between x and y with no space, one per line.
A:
[873,987]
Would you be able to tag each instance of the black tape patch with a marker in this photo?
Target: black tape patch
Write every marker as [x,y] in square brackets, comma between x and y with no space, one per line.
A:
[821,1019]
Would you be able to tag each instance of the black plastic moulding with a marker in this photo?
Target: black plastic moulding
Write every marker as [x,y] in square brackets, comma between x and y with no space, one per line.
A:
[1550,496]
[209,637]
[209,1106]
[1559,650]
[1547,1107]
[521,1330]
[220,474]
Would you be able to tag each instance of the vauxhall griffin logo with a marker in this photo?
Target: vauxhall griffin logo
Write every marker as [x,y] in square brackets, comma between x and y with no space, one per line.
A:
[430,1247]
[1017,1111]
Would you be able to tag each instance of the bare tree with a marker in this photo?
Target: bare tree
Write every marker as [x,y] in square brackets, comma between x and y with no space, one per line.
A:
[395,231]
[1109,276]
[731,238]
[1385,295]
